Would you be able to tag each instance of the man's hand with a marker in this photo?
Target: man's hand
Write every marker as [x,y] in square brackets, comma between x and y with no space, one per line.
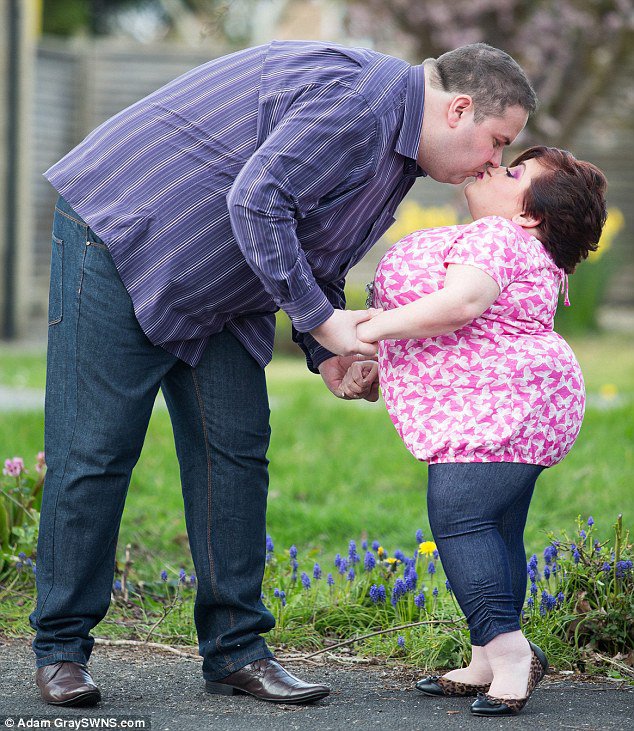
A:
[339,333]
[351,377]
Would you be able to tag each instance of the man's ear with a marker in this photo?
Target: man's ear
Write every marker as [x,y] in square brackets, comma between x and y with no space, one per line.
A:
[458,106]
[526,221]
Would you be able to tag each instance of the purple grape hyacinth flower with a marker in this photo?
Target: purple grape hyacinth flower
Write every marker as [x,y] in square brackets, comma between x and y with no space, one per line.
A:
[369,562]
[377,594]
[411,579]
[550,554]
[398,590]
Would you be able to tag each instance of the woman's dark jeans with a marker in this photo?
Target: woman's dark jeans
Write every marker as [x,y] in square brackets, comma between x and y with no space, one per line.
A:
[477,512]
[103,376]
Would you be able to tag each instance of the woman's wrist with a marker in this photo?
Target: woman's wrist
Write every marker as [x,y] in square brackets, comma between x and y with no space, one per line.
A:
[367,331]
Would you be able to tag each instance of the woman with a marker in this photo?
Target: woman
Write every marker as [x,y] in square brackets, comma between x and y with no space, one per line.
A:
[479,386]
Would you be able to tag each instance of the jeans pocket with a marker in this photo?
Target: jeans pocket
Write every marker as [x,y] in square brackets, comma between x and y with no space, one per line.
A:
[55,309]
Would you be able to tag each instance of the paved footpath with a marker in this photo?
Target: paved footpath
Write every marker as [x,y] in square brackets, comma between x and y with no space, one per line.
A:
[167,691]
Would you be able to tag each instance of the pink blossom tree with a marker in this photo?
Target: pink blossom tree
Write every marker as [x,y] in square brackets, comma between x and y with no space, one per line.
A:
[576,52]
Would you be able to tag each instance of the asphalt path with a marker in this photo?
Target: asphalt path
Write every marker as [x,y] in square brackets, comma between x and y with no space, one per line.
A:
[166,693]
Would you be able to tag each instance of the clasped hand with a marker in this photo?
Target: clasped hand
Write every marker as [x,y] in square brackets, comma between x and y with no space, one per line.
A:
[349,375]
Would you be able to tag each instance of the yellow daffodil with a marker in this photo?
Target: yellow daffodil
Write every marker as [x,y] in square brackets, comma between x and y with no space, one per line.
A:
[613,226]
[380,551]
[414,217]
[609,391]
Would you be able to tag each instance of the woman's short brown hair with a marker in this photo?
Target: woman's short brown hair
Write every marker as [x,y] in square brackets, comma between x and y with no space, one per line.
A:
[569,200]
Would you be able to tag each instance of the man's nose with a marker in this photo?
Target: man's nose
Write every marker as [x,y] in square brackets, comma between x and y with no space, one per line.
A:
[496,158]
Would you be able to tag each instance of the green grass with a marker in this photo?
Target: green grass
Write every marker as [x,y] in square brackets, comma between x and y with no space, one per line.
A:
[339,470]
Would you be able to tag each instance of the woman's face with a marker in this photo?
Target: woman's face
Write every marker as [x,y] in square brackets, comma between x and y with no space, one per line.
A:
[500,191]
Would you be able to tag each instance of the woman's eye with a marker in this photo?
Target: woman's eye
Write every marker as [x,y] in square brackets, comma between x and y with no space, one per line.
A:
[511,174]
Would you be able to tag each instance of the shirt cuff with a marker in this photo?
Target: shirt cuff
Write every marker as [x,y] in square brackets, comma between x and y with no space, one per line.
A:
[315,352]
[309,311]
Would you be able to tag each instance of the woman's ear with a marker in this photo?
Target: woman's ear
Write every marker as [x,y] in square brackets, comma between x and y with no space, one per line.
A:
[526,221]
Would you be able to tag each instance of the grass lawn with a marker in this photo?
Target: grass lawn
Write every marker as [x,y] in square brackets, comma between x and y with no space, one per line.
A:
[339,470]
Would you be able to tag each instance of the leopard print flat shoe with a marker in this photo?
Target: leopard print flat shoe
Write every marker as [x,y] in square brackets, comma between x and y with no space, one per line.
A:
[486,705]
[440,686]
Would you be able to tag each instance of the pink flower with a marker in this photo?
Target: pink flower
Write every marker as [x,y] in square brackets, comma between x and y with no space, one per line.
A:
[13,467]
[41,462]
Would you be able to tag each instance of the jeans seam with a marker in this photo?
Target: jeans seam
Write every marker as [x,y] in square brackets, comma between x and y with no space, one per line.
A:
[214,588]
[39,614]
[72,218]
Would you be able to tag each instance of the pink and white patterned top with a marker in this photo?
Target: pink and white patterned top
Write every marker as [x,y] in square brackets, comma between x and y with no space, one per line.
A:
[505,387]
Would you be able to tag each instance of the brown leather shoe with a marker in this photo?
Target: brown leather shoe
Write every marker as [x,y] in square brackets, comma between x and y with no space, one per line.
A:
[67,684]
[267,680]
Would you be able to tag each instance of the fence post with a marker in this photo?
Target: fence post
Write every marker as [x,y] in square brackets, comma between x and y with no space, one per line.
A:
[16,81]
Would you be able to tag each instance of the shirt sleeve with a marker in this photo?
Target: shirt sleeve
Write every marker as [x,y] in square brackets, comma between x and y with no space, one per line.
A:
[491,244]
[323,146]
[315,352]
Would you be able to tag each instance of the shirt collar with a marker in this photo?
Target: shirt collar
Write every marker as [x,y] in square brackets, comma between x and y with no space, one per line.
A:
[409,136]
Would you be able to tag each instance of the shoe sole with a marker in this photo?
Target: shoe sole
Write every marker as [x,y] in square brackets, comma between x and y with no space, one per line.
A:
[89,698]
[223,689]
[493,714]
[432,693]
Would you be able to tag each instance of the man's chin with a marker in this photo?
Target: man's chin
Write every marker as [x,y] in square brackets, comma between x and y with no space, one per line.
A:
[451,178]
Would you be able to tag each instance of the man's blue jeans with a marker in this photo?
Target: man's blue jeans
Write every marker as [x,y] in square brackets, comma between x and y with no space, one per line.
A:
[477,513]
[103,376]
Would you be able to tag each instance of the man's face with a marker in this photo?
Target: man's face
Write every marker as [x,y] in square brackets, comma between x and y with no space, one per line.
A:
[465,149]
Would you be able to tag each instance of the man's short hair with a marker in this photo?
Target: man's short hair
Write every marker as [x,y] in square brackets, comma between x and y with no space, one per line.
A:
[490,76]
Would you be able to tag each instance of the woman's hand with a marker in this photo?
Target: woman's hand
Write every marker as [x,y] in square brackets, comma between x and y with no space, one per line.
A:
[367,331]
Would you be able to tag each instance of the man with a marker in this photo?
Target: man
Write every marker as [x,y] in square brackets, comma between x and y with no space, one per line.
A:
[251,183]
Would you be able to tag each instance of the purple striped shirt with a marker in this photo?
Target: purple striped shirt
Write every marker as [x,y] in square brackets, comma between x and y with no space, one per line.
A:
[251,183]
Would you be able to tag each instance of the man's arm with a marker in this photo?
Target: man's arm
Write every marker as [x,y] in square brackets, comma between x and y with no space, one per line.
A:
[324,144]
